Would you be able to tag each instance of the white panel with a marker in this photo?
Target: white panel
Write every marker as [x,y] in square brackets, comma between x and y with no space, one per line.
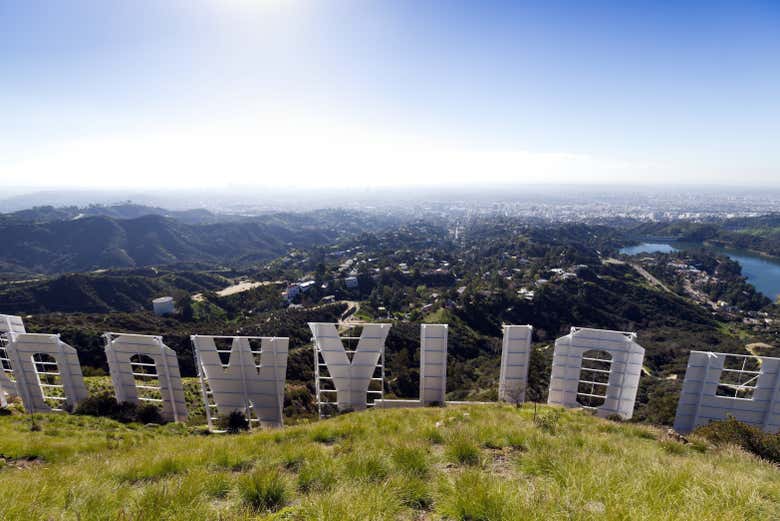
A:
[699,404]
[22,347]
[351,379]
[433,363]
[120,348]
[11,324]
[398,404]
[515,357]
[626,367]
[242,383]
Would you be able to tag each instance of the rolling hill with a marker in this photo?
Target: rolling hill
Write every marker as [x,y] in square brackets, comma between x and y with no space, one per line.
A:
[53,244]
[761,233]
[114,291]
[92,243]
[43,214]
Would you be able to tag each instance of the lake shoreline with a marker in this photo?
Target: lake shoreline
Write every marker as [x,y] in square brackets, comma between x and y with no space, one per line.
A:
[760,270]
[638,241]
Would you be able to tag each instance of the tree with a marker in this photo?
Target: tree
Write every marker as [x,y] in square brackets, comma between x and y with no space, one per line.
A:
[185,308]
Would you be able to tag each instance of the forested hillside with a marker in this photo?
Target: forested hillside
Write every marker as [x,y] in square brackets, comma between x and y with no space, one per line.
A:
[42,214]
[761,234]
[101,242]
[112,291]
[91,243]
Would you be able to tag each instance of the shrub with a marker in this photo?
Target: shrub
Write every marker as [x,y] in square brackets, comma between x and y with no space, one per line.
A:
[148,413]
[479,497]
[517,441]
[673,447]
[749,438]
[412,460]
[365,466]
[463,452]
[99,405]
[156,470]
[106,405]
[293,461]
[229,459]
[493,443]
[93,371]
[316,474]
[324,435]
[413,492]
[434,436]
[548,422]
[264,490]
[234,422]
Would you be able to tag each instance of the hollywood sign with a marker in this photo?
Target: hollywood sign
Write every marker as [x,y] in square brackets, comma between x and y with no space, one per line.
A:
[594,369]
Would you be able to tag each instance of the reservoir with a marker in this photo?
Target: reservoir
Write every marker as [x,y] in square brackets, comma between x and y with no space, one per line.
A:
[762,272]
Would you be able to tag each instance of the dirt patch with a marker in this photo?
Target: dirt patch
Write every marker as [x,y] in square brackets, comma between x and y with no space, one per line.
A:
[21,463]
[501,461]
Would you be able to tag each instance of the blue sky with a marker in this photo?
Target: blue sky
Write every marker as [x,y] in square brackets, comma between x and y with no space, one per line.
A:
[289,92]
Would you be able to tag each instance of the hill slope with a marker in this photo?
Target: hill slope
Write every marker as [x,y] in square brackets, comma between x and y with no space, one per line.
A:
[102,242]
[121,290]
[476,463]
[106,241]
[42,214]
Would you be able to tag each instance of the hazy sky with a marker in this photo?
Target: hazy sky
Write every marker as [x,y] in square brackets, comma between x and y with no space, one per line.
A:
[361,92]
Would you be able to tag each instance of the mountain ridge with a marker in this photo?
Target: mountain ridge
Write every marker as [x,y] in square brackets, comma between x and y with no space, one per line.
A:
[100,242]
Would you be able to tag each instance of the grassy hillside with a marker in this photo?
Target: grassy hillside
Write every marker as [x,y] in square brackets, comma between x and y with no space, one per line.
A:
[466,463]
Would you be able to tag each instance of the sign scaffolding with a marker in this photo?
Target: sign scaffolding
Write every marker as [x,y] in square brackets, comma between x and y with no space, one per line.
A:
[349,370]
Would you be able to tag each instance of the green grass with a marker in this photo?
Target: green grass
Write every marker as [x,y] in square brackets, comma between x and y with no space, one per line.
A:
[462,450]
[473,463]
[264,489]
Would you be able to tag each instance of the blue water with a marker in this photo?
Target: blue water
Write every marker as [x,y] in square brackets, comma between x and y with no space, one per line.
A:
[761,272]
[649,247]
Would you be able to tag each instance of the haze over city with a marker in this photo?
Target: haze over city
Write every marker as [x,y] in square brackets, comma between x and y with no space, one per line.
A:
[288,93]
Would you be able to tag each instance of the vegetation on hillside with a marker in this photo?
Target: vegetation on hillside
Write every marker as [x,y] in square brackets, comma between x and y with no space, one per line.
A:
[111,291]
[483,272]
[102,242]
[127,210]
[458,463]
[760,233]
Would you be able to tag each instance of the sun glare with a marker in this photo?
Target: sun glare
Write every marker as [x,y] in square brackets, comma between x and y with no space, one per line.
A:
[255,4]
